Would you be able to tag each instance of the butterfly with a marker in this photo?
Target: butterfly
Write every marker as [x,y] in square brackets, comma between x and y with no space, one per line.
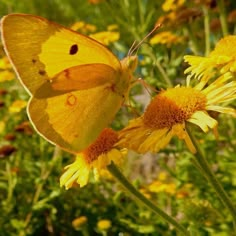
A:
[76,84]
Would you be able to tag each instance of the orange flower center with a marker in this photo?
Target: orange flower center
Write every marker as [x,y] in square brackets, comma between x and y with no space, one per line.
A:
[173,106]
[102,145]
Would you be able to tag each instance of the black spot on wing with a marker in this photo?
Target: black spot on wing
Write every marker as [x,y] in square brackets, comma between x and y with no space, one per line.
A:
[74,49]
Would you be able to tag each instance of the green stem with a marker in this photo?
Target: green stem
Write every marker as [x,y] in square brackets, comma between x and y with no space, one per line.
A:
[44,175]
[166,79]
[141,198]
[223,20]
[193,41]
[207,30]
[205,168]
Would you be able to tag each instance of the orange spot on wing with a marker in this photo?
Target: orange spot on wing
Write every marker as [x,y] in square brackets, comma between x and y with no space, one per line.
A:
[71,100]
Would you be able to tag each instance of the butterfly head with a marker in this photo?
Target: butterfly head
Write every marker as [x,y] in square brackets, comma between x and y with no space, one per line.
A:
[129,63]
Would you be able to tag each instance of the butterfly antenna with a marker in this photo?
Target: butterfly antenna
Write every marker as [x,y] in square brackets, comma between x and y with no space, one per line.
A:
[135,47]
[131,48]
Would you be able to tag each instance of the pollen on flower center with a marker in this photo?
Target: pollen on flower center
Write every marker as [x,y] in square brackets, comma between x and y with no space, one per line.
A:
[102,145]
[173,106]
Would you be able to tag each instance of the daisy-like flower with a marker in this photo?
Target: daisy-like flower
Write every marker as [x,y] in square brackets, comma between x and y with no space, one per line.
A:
[94,159]
[167,114]
[106,37]
[166,37]
[83,27]
[172,5]
[17,106]
[222,59]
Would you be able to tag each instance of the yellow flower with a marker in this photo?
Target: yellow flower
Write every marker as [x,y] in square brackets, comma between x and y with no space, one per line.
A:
[83,27]
[104,224]
[2,126]
[112,27]
[6,75]
[106,37]
[79,222]
[17,106]
[158,186]
[168,113]
[222,58]
[5,63]
[94,159]
[172,5]
[165,37]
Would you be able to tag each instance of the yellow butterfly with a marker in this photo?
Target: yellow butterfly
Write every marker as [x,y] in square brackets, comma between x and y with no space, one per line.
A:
[76,84]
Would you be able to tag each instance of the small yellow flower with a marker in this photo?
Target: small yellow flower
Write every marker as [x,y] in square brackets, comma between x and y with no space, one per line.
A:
[166,37]
[145,192]
[5,63]
[106,37]
[83,27]
[6,75]
[112,27]
[79,222]
[168,113]
[158,186]
[2,126]
[104,224]
[162,176]
[222,58]
[94,159]
[17,106]
[172,5]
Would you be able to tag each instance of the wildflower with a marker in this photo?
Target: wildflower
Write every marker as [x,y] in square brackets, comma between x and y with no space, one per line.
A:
[5,63]
[10,137]
[3,92]
[167,114]
[83,27]
[17,106]
[172,5]
[158,186]
[188,15]
[232,17]
[165,37]
[112,27]
[79,222]
[222,58]
[6,76]
[104,224]
[177,18]
[169,19]
[106,37]
[215,25]
[6,150]
[25,127]
[94,158]
[2,126]
[184,191]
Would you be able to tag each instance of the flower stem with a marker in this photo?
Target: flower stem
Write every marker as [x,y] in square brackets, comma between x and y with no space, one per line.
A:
[223,20]
[207,30]
[205,168]
[141,198]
